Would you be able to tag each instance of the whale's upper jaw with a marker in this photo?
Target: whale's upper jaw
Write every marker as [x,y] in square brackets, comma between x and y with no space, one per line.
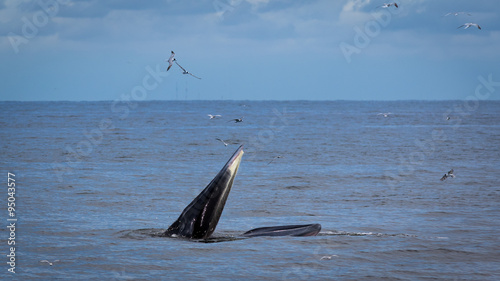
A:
[199,219]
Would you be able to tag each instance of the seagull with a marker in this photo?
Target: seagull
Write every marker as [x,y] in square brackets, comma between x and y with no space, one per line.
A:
[225,144]
[237,120]
[387,5]
[469,24]
[213,116]
[170,60]
[385,114]
[450,173]
[447,175]
[457,13]
[276,157]
[327,257]
[50,263]
[184,71]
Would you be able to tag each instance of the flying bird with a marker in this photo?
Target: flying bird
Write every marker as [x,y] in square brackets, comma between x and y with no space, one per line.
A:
[469,24]
[237,120]
[448,175]
[225,144]
[327,257]
[213,116]
[387,5]
[275,157]
[385,114]
[50,263]
[444,177]
[185,71]
[457,13]
[170,60]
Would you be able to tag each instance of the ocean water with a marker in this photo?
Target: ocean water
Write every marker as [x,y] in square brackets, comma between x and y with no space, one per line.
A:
[95,179]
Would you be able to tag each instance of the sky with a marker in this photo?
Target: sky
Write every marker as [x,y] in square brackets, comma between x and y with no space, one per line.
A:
[91,50]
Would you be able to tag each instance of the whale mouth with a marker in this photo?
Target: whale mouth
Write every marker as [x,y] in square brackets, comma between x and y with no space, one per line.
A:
[199,219]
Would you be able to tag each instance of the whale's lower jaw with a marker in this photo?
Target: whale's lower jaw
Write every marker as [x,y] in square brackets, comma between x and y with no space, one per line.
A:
[285,230]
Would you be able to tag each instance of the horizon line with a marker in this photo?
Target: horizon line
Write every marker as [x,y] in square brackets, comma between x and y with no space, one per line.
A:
[266,100]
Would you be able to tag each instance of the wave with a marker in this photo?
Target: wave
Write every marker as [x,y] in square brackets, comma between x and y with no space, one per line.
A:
[346,233]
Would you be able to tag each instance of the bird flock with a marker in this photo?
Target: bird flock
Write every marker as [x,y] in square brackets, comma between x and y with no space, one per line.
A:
[467,25]
[171,60]
[464,26]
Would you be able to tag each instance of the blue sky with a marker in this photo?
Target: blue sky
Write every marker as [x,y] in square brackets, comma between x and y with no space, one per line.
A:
[246,49]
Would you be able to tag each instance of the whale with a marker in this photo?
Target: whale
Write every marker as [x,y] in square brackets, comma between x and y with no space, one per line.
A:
[200,218]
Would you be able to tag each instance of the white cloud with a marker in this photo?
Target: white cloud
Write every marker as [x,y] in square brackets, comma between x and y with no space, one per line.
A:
[9,12]
[353,13]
